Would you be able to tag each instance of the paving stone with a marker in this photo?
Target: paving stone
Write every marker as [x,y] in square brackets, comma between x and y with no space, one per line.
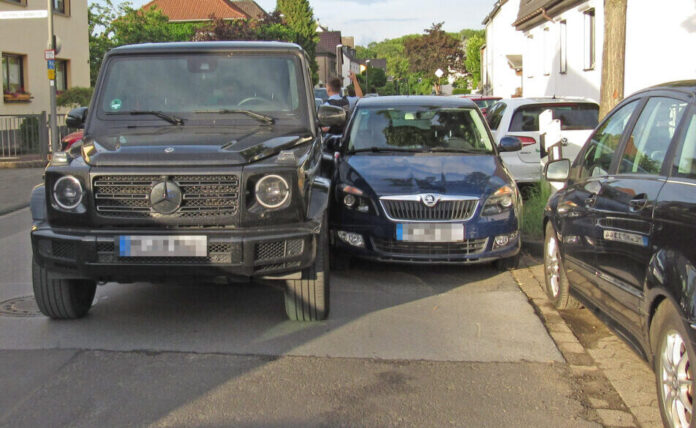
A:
[616,418]
[573,347]
[598,403]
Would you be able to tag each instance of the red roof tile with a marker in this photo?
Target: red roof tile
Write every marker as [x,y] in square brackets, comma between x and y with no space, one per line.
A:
[197,10]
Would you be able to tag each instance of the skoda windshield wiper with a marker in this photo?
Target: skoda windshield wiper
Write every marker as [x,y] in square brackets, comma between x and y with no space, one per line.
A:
[174,120]
[454,150]
[264,118]
[382,149]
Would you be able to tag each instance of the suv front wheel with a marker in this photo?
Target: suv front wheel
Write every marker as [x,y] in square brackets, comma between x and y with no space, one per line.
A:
[307,299]
[61,298]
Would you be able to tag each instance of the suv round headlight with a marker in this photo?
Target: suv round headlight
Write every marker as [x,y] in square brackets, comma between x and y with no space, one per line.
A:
[272,191]
[67,192]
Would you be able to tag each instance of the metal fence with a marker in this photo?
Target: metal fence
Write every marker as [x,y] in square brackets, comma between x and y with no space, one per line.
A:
[27,135]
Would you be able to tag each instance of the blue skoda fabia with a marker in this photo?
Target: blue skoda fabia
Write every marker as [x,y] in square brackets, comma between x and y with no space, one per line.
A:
[419,180]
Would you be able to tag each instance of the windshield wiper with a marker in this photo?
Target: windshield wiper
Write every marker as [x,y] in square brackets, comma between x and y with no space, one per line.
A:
[382,149]
[258,116]
[453,150]
[174,120]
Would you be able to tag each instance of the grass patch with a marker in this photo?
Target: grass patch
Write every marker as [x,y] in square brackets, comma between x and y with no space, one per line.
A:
[533,210]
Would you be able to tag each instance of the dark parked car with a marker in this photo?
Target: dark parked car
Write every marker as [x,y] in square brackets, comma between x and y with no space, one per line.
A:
[482,101]
[620,235]
[198,159]
[419,180]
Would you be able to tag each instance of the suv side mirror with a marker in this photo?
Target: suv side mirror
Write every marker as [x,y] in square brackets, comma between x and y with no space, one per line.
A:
[557,170]
[76,118]
[333,143]
[331,116]
[510,144]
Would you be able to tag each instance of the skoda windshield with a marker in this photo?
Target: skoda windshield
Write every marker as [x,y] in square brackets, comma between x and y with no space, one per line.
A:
[419,129]
[187,88]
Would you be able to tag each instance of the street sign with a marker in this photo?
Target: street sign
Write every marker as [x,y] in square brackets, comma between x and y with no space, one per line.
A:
[439,73]
[51,64]
[49,54]
[24,14]
[51,74]
[57,47]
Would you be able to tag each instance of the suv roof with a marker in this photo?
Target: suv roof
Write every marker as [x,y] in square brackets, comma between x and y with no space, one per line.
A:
[204,46]
[685,86]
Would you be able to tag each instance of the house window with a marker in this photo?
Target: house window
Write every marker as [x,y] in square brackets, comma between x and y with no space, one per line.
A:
[589,17]
[18,2]
[563,47]
[12,73]
[547,53]
[61,75]
[59,6]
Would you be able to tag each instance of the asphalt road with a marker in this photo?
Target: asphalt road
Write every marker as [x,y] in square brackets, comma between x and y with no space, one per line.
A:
[404,345]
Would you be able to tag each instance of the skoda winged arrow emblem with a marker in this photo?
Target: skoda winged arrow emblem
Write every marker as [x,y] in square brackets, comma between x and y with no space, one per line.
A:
[430,200]
[169,150]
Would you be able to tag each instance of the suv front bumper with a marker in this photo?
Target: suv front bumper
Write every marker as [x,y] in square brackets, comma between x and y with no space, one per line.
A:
[249,252]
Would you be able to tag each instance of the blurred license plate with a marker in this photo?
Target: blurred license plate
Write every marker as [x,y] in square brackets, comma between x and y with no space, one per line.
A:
[430,232]
[162,246]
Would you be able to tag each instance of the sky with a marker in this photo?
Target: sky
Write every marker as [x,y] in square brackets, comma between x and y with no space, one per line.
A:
[376,20]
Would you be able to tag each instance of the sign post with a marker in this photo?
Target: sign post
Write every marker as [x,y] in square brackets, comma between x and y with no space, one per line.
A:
[52,78]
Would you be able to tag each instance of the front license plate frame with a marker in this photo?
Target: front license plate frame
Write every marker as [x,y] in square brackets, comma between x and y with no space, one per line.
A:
[162,246]
[430,232]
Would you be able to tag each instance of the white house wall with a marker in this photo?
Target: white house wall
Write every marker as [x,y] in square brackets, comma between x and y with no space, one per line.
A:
[501,40]
[660,43]
[541,58]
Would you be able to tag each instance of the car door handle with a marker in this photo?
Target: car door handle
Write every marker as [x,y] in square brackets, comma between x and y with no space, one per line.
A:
[638,203]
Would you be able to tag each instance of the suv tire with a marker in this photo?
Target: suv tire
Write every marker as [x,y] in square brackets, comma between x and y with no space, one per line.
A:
[307,299]
[556,283]
[61,298]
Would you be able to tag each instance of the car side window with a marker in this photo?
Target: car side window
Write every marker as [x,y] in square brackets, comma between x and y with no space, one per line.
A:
[605,141]
[685,161]
[495,115]
[651,136]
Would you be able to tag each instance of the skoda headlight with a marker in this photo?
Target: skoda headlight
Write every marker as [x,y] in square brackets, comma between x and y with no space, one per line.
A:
[272,191]
[67,192]
[500,201]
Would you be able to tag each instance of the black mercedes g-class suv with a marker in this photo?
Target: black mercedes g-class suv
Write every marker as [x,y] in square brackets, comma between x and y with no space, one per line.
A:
[198,160]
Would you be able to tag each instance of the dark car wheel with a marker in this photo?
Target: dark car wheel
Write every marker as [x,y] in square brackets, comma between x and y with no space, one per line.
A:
[307,299]
[556,283]
[61,298]
[673,353]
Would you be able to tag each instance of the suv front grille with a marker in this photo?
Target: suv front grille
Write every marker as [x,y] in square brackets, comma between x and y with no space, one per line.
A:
[128,196]
[466,247]
[415,210]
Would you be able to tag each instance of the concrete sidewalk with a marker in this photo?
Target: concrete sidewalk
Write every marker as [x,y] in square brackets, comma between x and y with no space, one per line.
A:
[15,187]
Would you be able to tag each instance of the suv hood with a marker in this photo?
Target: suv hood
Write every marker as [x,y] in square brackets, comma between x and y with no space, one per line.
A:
[471,175]
[189,146]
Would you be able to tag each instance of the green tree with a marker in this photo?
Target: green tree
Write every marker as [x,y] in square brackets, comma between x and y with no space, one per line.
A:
[299,17]
[435,50]
[473,59]
[76,96]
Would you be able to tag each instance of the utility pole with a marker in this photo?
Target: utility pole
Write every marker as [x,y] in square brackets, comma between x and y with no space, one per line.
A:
[52,80]
[367,76]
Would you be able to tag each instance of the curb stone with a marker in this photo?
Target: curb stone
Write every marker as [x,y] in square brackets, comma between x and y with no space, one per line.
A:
[602,402]
[23,164]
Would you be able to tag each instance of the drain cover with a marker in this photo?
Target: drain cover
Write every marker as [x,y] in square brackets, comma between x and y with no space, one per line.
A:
[20,307]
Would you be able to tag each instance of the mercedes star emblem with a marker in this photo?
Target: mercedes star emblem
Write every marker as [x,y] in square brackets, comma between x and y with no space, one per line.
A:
[165,197]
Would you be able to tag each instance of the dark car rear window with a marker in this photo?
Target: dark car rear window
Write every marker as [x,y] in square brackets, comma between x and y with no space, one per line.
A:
[573,116]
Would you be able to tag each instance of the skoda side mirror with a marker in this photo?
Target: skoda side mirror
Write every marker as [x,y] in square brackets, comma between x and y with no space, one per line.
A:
[76,118]
[510,144]
[557,170]
[331,116]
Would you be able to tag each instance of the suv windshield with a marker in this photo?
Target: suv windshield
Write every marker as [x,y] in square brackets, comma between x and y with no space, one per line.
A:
[416,128]
[191,85]
[573,116]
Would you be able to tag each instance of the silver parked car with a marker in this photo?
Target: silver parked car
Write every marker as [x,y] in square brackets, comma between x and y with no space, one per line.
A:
[519,117]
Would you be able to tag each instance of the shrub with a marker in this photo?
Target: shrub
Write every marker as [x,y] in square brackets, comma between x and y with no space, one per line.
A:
[75,97]
[460,91]
[533,211]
